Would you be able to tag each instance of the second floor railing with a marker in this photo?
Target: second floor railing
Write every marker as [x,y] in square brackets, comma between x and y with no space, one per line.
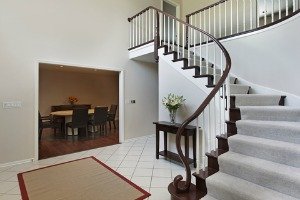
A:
[228,18]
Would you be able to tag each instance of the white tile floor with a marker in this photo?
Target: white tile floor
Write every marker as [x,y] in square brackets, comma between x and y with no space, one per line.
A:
[134,159]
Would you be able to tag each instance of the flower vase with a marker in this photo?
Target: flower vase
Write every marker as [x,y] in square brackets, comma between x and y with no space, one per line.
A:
[173,115]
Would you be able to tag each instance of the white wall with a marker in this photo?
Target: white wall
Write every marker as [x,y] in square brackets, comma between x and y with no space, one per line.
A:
[84,33]
[269,58]
[172,81]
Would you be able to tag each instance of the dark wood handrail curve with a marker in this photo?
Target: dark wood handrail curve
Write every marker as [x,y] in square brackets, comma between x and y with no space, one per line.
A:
[183,186]
[205,8]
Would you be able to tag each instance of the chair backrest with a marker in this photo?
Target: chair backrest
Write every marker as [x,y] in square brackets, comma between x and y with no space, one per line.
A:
[113,109]
[40,120]
[80,117]
[100,115]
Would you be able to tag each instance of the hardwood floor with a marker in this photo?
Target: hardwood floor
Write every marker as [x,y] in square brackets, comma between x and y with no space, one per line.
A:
[51,146]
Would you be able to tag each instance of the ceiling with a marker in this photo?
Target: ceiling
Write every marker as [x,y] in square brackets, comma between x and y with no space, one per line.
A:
[75,69]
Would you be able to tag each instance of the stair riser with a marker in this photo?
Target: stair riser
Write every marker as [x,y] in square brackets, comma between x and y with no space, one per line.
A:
[231,129]
[234,114]
[213,162]
[223,144]
[201,185]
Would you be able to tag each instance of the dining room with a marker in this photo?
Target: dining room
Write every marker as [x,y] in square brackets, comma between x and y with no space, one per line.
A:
[78,109]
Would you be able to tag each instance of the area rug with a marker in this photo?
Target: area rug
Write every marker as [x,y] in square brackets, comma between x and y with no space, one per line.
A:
[83,179]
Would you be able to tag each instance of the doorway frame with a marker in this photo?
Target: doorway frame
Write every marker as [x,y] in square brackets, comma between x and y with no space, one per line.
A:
[177,5]
[36,98]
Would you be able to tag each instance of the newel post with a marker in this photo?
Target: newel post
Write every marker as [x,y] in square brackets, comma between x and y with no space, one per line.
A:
[156,38]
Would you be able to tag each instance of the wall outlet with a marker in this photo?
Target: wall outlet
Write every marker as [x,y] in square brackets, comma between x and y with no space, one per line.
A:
[132,101]
[12,104]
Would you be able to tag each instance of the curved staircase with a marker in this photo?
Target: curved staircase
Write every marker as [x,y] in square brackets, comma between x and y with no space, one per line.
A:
[252,140]
[260,156]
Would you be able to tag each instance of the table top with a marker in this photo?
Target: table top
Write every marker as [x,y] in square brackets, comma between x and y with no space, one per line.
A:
[65,113]
[177,125]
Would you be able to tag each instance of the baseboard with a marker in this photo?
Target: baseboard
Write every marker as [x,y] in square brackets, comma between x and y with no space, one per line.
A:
[17,162]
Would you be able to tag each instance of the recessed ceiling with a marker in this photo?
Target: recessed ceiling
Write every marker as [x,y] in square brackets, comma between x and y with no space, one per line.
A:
[75,69]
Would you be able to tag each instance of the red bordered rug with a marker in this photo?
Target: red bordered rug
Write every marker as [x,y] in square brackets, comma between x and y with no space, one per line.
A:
[82,179]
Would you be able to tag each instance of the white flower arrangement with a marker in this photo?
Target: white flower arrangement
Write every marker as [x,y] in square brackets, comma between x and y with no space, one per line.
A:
[172,101]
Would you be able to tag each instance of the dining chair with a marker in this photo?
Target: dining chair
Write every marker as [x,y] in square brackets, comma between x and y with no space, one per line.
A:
[80,119]
[112,115]
[47,122]
[99,119]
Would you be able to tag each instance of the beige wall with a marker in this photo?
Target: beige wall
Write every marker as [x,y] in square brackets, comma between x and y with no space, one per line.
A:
[98,89]
[77,32]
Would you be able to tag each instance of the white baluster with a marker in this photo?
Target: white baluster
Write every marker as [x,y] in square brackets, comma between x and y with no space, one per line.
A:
[198,138]
[204,140]
[183,40]
[231,17]
[165,29]
[173,38]
[251,14]
[139,33]
[153,24]
[225,23]
[209,22]
[294,5]
[215,35]
[130,34]
[272,15]
[142,27]
[237,16]
[279,8]
[194,32]
[168,32]
[286,7]
[189,44]
[265,12]
[146,25]
[244,14]
[220,21]
[178,39]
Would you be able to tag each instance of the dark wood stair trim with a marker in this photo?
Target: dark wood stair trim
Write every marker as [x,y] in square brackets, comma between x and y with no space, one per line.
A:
[234,114]
[192,194]
[231,128]
[201,177]
[223,142]
[213,158]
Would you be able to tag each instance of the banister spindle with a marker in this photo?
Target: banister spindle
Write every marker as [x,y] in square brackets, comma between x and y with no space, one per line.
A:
[272,10]
[168,29]
[265,12]
[237,16]
[173,35]
[294,5]
[220,21]
[153,25]
[178,39]
[183,40]
[198,137]
[286,7]
[225,23]
[279,8]
[244,15]
[231,17]
[143,28]
[251,14]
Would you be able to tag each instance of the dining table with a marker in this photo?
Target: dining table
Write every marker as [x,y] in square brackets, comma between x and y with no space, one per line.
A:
[67,114]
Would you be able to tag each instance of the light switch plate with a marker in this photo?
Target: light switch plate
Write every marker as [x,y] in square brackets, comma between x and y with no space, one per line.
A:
[12,104]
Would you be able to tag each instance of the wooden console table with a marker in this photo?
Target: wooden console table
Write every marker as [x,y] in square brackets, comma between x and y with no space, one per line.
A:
[168,127]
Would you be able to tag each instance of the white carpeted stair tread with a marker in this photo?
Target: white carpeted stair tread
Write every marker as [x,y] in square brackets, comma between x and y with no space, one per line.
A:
[209,70]
[275,130]
[272,150]
[239,89]
[231,79]
[270,113]
[227,187]
[256,100]
[207,197]
[279,177]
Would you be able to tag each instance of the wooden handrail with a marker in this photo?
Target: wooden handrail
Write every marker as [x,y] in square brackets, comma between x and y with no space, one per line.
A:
[205,8]
[180,188]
